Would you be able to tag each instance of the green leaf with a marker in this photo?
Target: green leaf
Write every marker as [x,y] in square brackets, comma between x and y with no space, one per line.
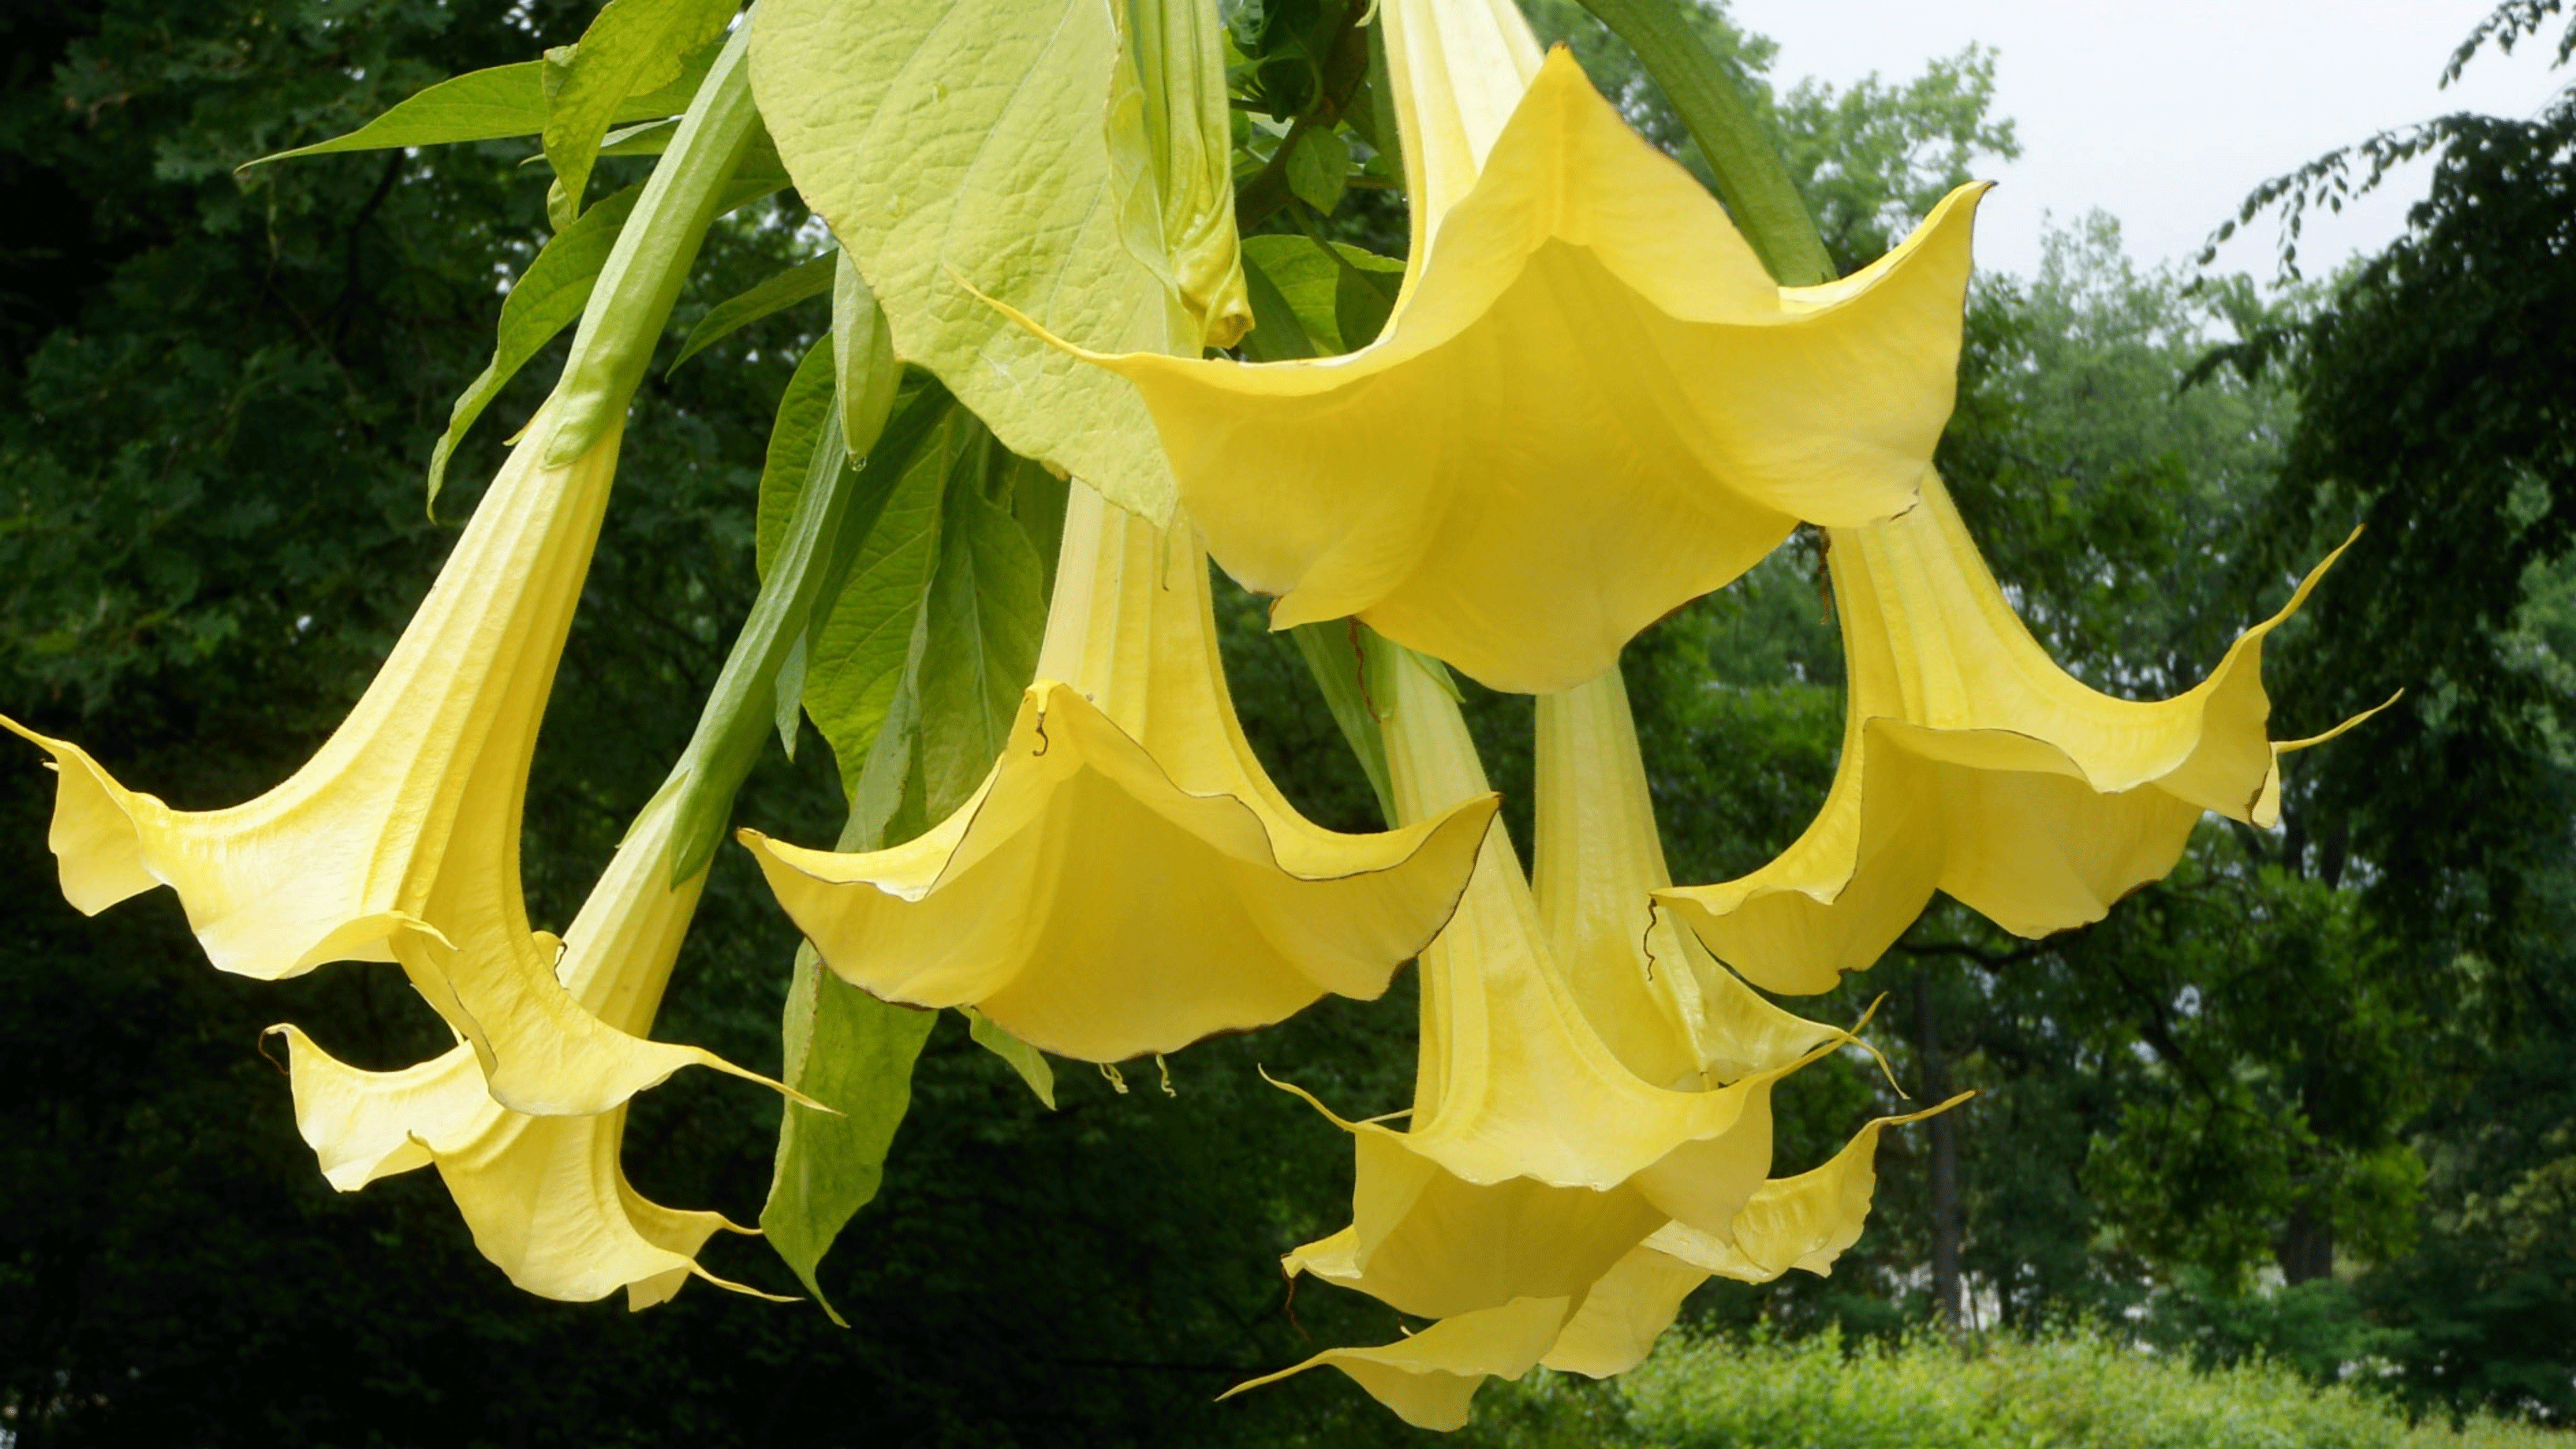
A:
[858,657]
[1278,334]
[856,1054]
[1339,297]
[1319,169]
[1025,1059]
[987,611]
[496,104]
[802,409]
[633,47]
[802,282]
[548,298]
[957,144]
[483,105]
[1336,653]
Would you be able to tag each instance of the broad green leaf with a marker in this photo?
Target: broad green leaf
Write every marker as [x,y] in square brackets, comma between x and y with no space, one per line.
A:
[957,146]
[1038,500]
[802,409]
[632,47]
[802,282]
[1278,334]
[987,611]
[855,1054]
[1319,170]
[1025,1059]
[494,105]
[1364,295]
[856,659]
[1339,297]
[804,416]
[547,299]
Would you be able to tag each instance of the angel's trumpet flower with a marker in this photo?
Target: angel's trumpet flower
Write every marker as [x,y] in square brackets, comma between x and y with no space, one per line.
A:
[1972,764]
[399,840]
[1589,1083]
[546,1197]
[1577,307]
[1127,879]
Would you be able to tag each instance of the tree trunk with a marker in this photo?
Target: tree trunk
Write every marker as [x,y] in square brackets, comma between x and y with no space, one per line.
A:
[1935,1070]
[2305,1249]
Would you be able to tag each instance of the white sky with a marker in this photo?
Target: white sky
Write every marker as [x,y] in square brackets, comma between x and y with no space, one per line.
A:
[2165,113]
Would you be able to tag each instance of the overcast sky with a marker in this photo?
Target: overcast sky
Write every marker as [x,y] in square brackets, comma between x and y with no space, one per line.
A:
[2166,112]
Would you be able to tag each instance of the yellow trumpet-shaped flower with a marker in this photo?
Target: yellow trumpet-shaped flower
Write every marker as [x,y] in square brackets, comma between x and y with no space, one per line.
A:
[1972,764]
[1584,310]
[398,840]
[546,1197]
[1576,1001]
[1127,879]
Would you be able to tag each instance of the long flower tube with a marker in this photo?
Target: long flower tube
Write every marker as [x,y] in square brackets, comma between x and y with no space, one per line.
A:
[1972,764]
[398,841]
[1576,997]
[546,1197]
[1127,879]
[1577,307]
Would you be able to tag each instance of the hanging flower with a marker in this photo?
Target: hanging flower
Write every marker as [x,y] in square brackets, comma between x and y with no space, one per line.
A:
[1579,1156]
[546,1197]
[1590,405]
[1127,880]
[399,840]
[1972,764]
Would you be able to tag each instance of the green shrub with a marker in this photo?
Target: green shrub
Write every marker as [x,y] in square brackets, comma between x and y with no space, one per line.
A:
[2072,1390]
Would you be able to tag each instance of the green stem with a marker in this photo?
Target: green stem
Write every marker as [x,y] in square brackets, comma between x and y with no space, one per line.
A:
[1750,177]
[631,303]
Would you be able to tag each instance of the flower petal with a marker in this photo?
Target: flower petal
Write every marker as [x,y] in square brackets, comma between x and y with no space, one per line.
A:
[1585,313]
[1972,764]
[1127,880]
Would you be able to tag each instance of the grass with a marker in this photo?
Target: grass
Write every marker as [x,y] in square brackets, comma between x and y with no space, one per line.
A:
[2073,1390]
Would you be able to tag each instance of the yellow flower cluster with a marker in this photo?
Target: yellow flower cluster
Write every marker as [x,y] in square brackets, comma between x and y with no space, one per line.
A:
[1589,406]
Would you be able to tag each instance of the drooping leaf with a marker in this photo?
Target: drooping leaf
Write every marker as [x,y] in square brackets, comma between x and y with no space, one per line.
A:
[856,660]
[632,47]
[987,610]
[855,1053]
[963,144]
[1339,299]
[802,409]
[1336,653]
[802,282]
[1025,1059]
[547,299]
